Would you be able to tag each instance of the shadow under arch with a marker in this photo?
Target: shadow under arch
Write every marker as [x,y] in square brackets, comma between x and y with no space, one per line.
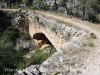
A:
[41,36]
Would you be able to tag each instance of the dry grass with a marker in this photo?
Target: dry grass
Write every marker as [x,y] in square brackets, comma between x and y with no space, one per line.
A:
[88,42]
[55,73]
[91,43]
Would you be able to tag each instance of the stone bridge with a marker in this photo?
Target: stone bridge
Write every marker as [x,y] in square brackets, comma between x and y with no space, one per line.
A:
[58,34]
[40,32]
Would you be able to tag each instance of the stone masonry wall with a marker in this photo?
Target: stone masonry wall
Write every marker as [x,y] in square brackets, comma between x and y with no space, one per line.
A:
[57,33]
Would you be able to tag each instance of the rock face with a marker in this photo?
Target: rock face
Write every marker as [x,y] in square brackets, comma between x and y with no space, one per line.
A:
[32,70]
[62,62]
[28,45]
[20,21]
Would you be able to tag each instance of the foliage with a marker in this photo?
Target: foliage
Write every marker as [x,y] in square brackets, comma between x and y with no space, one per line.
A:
[62,2]
[9,58]
[87,6]
[89,42]
[40,5]
[39,56]
[27,2]
[69,10]
[25,35]
[53,28]
[98,17]
[5,14]
[11,33]
[4,21]
[36,18]
[52,8]
[84,9]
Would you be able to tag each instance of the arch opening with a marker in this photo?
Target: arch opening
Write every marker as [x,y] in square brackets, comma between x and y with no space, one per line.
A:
[42,38]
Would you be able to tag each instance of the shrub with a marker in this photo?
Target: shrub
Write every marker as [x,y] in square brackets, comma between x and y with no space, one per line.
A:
[5,14]
[11,33]
[26,36]
[69,10]
[53,28]
[46,7]
[21,65]
[91,43]
[39,56]
[32,7]
[98,17]
[36,18]
[9,58]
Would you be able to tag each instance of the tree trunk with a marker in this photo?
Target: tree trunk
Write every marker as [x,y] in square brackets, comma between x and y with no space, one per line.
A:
[8,4]
[56,7]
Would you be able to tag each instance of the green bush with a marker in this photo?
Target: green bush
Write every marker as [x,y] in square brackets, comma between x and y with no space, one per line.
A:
[39,5]
[53,28]
[69,10]
[9,58]
[39,56]
[11,33]
[98,17]
[32,7]
[36,18]
[26,36]
[4,14]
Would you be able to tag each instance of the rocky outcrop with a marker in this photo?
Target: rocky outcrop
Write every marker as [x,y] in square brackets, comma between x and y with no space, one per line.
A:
[65,61]
[20,20]
[28,45]
[32,70]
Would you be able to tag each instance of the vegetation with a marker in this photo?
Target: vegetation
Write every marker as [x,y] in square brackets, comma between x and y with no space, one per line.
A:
[39,56]
[26,36]
[84,9]
[9,58]
[88,43]
[91,43]
[90,9]
[36,18]
[53,28]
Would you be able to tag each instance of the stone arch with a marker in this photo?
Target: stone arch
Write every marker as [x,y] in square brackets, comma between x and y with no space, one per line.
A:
[42,39]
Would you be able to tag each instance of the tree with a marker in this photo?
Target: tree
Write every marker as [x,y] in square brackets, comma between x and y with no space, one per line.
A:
[56,7]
